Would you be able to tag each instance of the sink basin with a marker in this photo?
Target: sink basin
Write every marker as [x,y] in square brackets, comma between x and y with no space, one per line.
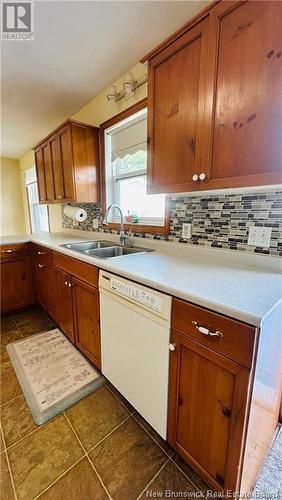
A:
[115,251]
[87,245]
[103,249]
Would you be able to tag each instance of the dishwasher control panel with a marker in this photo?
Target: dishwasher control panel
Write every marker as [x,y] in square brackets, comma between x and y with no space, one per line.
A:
[133,292]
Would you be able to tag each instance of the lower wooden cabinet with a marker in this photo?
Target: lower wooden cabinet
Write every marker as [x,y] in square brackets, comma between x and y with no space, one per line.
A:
[64,310]
[86,318]
[207,409]
[16,283]
[77,300]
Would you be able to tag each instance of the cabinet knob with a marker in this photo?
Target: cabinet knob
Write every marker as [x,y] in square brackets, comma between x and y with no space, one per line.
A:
[206,331]
[172,347]
[202,176]
[40,253]
[66,283]
[59,197]
[195,178]
[69,285]
[41,266]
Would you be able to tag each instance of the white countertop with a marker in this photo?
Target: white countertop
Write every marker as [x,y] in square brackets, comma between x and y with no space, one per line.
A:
[243,287]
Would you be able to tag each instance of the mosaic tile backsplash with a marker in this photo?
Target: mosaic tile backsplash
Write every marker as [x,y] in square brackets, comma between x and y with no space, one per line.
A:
[220,221]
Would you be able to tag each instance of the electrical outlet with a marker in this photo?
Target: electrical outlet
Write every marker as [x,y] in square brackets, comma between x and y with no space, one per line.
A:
[186,231]
[95,223]
[259,236]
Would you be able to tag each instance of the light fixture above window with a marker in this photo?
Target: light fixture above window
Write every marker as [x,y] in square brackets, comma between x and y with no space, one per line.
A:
[112,96]
[129,86]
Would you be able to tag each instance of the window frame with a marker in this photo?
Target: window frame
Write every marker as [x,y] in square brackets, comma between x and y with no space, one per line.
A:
[138,228]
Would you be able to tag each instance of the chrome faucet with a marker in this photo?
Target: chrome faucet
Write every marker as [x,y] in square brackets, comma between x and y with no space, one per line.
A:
[123,238]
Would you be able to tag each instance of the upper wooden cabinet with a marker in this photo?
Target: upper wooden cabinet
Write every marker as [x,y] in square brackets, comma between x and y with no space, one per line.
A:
[176,107]
[215,101]
[67,164]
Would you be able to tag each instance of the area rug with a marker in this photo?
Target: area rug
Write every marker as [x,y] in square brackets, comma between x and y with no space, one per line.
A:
[53,374]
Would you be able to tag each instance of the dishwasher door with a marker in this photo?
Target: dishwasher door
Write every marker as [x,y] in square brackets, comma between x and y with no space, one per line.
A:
[135,329]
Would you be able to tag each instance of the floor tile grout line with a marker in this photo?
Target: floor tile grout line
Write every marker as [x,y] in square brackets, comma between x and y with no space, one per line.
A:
[57,479]
[146,430]
[153,478]
[32,432]
[109,434]
[74,432]
[86,453]
[22,438]
[8,463]
[99,477]
[11,400]
[187,477]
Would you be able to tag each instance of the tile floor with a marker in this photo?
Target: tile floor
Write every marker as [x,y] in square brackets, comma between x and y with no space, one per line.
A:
[99,448]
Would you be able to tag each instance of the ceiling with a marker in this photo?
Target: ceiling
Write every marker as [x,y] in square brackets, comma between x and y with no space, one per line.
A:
[80,48]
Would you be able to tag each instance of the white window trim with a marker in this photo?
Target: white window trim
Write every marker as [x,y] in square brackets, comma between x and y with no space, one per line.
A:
[111,180]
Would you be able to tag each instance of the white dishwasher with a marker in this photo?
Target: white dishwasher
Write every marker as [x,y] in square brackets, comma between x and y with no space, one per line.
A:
[135,330]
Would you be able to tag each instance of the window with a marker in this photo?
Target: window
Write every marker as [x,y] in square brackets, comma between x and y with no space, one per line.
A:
[126,173]
[39,217]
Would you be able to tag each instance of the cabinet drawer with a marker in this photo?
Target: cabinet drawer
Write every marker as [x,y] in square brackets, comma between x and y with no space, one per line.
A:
[82,270]
[235,340]
[42,255]
[17,250]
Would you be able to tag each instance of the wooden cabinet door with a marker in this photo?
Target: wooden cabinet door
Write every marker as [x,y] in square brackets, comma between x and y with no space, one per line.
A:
[57,167]
[16,283]
[40,174]
[86,316]
[48,168]
[247,120]
[207,408]
[178,140]
[66,155]
[41,277]
[64,312]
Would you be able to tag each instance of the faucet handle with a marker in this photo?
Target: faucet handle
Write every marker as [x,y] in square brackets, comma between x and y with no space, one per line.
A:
[123,238]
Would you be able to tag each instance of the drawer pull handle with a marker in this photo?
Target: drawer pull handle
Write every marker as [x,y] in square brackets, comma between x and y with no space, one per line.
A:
[41,266]
[40,253]
[206,331]
[8,251]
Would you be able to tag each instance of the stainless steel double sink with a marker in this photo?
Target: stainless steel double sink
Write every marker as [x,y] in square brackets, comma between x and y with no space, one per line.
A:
[104,249]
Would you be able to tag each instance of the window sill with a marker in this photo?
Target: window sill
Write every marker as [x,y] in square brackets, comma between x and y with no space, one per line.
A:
[139,228]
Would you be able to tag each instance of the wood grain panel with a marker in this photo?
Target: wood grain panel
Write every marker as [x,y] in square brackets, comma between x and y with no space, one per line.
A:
[81,270]
[64,312]
[247,120]
[238,338]
[48,169]
[66,157]
[17,250]
[16,283]
[40,173]
[176,106]
[86,317]
[208,405]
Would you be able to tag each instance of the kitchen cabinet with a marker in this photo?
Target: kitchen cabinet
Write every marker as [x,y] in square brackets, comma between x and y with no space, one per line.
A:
[214,101]
[224,394]
[176,106]
[208,402]
[86,317]
[16,280]
[64,312]
[77,293]
[42,264]
[67,164]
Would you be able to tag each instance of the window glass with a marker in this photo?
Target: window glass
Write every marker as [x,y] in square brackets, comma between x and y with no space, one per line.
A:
[126,173]
[39,216]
